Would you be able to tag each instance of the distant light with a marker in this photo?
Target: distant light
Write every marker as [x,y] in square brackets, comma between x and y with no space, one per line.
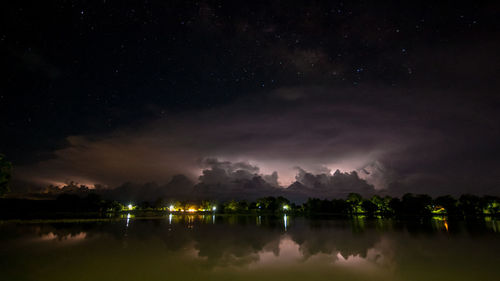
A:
[171,208]
[130,207]
[214,208]
[191,210]
[285,207]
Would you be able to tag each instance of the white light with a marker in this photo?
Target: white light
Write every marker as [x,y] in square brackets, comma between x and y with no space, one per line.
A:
[130,207]
[285,207]
[214,208]
[171,208]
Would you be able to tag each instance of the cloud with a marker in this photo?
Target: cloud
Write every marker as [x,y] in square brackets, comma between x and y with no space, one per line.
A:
[327,185]
[310,134]
[179,188]
[385,139]
[225,180]
[239,180]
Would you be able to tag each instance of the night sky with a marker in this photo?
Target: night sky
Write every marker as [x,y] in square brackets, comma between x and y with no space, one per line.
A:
[126,93]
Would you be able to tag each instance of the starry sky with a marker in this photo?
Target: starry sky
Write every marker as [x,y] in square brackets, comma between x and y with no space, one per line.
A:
[403,93]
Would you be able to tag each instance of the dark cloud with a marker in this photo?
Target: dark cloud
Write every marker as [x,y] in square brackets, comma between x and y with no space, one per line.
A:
[224,180]
[240,180]
[178,188]
[383,142]
[328,185]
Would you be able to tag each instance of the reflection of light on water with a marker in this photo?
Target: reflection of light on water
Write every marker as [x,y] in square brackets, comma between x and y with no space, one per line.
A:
[285,221]
[440,222]
[492,223]
[128,219]
[259,220]
[213,219]
[190,222]
[170,219]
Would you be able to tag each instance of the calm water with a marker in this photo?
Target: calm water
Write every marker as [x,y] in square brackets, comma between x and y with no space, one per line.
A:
[249,248]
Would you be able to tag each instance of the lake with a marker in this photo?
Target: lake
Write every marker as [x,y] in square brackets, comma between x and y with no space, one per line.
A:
[206,247]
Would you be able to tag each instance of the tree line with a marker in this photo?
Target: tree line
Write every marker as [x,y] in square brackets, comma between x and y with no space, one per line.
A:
[410,205]
[420,205]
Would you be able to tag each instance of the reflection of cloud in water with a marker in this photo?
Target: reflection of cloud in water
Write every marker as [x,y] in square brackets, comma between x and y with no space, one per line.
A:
[69,238]
[381,255]
[241,249]
[288,252]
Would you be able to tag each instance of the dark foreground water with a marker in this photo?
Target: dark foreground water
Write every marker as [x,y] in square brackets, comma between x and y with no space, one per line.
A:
[249,248]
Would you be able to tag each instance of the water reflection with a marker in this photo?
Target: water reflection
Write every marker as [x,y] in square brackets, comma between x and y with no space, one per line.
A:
[493,224]
[62,238]
[209,247]
[128,219]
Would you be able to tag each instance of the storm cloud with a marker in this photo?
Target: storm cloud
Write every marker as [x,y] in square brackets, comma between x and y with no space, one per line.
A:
[397,147]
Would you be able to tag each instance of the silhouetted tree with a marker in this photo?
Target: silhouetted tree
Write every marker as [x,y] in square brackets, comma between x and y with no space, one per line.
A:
[281,202]
[396,205]
[416,205]
[340,206]
[145,205]
[267,204]
[470,205]
[231,206]
[491,205]
[355,200]
[68,202]
[93,202]
[369,208]
[160,203]
[449,203]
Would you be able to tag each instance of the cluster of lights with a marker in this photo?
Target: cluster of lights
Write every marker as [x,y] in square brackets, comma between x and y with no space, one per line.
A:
[191,209]
[171,208]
